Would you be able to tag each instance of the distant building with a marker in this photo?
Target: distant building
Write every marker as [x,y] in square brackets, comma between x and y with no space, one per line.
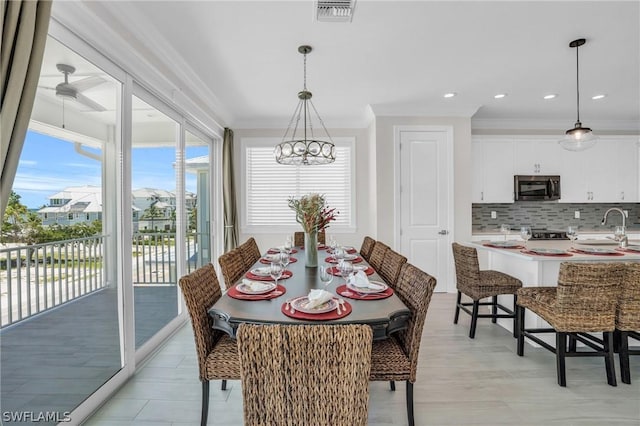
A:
[152,209]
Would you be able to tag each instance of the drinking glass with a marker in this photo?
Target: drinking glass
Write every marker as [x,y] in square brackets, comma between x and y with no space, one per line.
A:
[275,271]
[325,275]
[288,245]
[339,253]
[525,233]
[505,229]
[572,233]
[333,244]
[345,268]
[284,259]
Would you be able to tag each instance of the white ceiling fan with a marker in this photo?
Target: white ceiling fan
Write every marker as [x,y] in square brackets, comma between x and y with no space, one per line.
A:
[72,91]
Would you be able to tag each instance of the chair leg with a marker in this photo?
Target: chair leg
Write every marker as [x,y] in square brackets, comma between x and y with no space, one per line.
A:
[410,403]
[474,319]
[459,299]
[205,403]
[561,347]
[494,309]
[515,317]
[572,343]
[520,321]
[625,373]
[607,338]
[224,385]
[392,385]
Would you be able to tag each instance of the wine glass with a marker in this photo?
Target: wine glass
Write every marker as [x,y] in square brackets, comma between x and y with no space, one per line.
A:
[572,234]
[525,233]
[339,253]
[288,244]
[345,268]
[333,244]
[275,271]
[505,229]
[284,259]
[325,275]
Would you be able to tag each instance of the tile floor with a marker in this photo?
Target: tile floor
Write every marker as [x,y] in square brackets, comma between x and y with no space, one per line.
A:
[460,381]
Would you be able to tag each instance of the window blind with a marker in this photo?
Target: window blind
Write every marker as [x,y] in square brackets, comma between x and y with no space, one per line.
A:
[269,185]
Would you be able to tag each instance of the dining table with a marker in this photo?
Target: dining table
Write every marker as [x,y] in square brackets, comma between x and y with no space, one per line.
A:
[384,312]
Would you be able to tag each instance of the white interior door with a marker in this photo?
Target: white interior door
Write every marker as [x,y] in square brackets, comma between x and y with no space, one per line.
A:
[424,201]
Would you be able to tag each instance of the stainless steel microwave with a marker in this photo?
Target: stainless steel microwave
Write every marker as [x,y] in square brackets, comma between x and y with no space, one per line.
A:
[536,188]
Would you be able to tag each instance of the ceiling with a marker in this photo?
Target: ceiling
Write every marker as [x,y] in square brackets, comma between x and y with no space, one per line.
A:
[394,58]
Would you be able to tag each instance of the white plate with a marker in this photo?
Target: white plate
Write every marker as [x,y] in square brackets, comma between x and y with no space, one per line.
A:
[350,256]
[301,302]
[547,251]
[261,272]
[243,288]
[368,290]
[505,243]
[634,248]
[596,250]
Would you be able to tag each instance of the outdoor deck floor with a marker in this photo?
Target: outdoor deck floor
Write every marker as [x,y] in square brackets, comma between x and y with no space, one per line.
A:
[53,361]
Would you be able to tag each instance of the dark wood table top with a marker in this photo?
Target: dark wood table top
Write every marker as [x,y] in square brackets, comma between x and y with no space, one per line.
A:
[385,316]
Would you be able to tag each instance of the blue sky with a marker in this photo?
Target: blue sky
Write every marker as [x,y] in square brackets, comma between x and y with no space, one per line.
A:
[49,165]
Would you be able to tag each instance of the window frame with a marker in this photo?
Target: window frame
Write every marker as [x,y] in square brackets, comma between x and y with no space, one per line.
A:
[348,142]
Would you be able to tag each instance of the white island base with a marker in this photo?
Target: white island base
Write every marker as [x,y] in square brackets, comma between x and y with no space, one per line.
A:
[539,271]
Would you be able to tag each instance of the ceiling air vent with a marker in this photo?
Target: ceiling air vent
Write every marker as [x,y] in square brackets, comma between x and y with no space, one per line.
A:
[335,10]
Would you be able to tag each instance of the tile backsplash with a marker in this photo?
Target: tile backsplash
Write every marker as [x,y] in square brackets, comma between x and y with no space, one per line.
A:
[551,215]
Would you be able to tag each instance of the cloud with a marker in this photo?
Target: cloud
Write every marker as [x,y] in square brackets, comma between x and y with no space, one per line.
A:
[27,163]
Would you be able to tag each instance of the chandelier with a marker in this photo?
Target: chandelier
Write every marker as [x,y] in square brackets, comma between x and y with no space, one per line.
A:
[302,146]
[579,138]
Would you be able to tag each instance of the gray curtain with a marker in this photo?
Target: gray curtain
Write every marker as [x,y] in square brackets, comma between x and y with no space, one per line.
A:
[229,193]
[25,24]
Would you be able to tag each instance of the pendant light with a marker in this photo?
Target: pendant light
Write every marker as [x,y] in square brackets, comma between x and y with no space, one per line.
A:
[306,148]
[579,138]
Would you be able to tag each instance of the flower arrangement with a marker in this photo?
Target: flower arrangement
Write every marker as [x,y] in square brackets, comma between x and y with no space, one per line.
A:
[312,212]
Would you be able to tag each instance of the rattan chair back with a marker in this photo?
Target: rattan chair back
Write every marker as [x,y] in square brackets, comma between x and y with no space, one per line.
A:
[305,374]
[467,266]
[298,238]
[250,253]
[233,267]
[391,265]
[628,310]
[377,255]
[367,247]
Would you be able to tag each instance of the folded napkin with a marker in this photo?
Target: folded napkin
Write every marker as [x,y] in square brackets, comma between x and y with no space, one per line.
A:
[318,297]
[360,280]
[256,285]
[262,271]
[272,257]
[360,268]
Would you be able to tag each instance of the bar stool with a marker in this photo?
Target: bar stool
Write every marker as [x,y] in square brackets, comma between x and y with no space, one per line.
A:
[628,318]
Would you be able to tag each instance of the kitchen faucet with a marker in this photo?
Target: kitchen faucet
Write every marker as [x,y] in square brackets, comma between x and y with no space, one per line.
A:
[623,239]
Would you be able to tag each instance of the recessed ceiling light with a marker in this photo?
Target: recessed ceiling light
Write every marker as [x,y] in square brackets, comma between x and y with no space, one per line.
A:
[500,95]
[550,96]
[449,95]
[596,97]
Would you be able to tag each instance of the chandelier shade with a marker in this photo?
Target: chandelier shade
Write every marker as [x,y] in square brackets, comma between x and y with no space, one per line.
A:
[579,138]
[307,145]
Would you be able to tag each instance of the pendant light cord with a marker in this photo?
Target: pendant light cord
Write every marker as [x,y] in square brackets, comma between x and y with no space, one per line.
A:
[577,86]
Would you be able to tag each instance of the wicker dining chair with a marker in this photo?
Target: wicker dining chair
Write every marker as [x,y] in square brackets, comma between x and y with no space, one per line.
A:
[628,317]
[233,267]
[396,358]
[391,265]
[250,253]
[298,238]
[367,247]
[377,255]
[217,352]
[478,285]
[305,374]
[583,302]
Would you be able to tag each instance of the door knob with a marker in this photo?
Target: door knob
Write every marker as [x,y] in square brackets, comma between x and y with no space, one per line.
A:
[443,232]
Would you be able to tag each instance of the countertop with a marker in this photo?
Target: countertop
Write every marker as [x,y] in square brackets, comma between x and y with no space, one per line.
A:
[566,246]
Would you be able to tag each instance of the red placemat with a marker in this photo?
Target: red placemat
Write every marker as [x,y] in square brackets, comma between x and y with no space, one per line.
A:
[345,310]
[275,250]
[546,254]
[332,259]
[267,261]
[351,250]
[624,250]
[347,292]
[334,271]
[276,292]
[502,247]
[286,274]
[597,254]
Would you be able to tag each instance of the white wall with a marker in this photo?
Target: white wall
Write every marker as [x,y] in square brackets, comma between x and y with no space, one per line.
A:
[384,172]
[365,217]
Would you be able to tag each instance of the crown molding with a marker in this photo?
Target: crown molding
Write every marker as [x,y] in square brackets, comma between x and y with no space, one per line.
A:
[557,125]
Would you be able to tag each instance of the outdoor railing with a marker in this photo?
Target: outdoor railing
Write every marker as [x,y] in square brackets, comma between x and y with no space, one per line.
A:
[38,277]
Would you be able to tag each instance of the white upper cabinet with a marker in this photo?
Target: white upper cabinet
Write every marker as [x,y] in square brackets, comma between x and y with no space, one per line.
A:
[492,164]
[537,157]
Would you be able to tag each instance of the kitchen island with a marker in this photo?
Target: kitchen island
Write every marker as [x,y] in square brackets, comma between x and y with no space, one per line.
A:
[540,270]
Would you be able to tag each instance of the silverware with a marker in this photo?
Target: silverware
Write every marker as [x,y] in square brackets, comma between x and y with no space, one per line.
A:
[341,303]
[338,306]
[290,306]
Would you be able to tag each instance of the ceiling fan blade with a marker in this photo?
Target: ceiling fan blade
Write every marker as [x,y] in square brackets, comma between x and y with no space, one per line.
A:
[90,103]
[88,83]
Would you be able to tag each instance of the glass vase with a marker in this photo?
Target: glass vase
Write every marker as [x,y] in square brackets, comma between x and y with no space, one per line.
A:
[311,249]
